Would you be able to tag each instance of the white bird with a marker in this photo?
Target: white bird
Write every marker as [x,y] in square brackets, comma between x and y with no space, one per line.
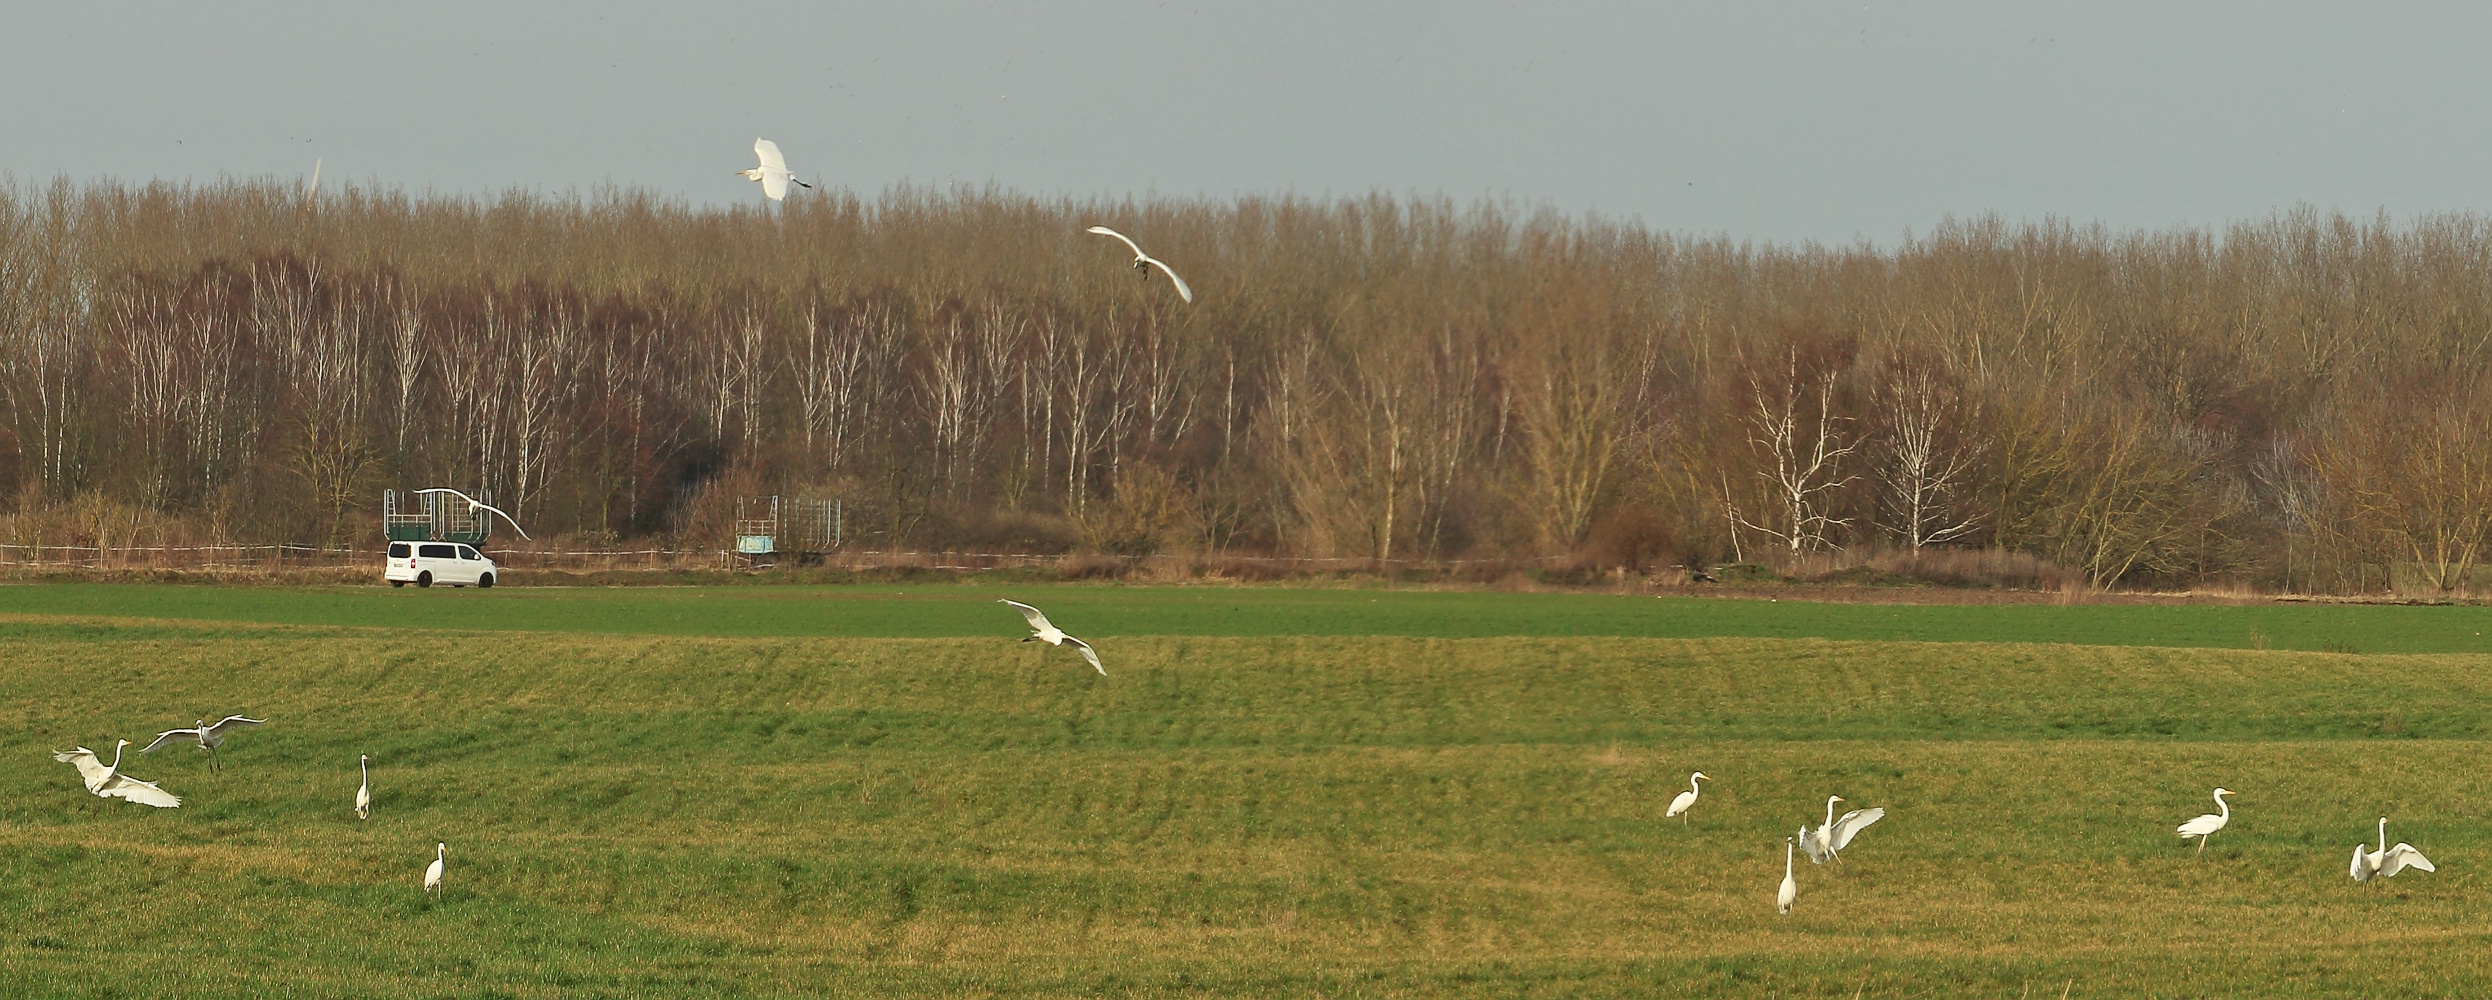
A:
[363,795]
[204,736]
[1042,630]
[110,783]
[474,504]
[773,173]
[1678,806]
[1790,889]
[1144,262]
[2387,860]
[1829,840]
[2211,822]
[432,872]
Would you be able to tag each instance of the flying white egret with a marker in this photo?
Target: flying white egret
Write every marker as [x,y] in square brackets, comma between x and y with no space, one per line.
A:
[363,795]
[1829,840]
[432,872]
[204,736]
[1143,262]
[474,504]
[2387,860]
[1790,888]
[773,173]
[2211,822]
[110,783]
[1042,630]
[1678,806]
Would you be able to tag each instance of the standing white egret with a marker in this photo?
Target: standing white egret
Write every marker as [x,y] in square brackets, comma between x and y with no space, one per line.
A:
[2211,822]
[773,173]
[1679,805]
[1143,262]
[2387,860]
[204,736]
[474,505]
[110,783]
[1041,630]
[432,872]
[363,795]
[1790,888]
[1829,840]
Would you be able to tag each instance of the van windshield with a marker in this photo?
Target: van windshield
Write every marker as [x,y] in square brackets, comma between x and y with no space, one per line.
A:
[466,553]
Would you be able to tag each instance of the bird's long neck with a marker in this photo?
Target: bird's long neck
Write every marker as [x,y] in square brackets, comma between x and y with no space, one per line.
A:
[2224,809]
[1830,812]
[2383,833]
[367,771]
[1786,859]
[116,761]
[1691,786]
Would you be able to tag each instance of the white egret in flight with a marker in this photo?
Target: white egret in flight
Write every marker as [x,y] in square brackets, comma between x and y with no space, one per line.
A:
[773,173]
[2387,860]
[1829,839]
[1143,262]
[110,783]
[204,736]
[474,505]
[432,872]
[2211,822]
[363,795]
[1790,889]
[1042,630]
[1679,806]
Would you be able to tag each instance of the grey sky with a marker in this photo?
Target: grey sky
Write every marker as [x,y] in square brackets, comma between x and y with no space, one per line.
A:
[1824,121]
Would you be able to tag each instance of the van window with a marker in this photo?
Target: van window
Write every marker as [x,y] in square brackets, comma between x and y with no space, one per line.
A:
[466,553]
[436,552]
[398,550]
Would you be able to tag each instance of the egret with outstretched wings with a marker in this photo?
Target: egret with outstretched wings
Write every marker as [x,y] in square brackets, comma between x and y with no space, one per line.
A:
[1144,262]
[1829,839]
[2387,860]
[110,783]
[773,173]
[204,736]
[1042,630]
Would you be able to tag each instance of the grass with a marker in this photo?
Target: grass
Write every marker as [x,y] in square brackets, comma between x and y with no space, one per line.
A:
[964,610]
[1385,815]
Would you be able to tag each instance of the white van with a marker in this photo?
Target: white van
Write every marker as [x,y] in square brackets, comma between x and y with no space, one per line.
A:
[428,563]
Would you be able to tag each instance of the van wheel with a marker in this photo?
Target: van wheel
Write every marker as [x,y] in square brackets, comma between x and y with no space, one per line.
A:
[485,580]
[424,579]
[397,583]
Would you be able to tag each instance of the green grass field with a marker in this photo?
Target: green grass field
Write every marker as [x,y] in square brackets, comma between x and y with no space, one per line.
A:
[1276,792]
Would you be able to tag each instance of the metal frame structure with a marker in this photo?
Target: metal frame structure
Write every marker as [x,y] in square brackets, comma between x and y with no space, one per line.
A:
[435,517]
[771,526]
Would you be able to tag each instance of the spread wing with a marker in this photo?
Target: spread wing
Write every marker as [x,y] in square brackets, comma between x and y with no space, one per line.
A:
[142,792]
[235,721]
[1088,655]
[1680,804]
[90,770]
[1808,843]
[1105,231]
[1852,823]
[2362,869]
[1038,621]
[2402,857]
[773,184]
[770,158]
[1182,291]
[172,736]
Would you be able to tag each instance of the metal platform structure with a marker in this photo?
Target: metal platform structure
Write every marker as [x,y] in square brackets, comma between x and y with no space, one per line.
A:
[435,517]
[770,527]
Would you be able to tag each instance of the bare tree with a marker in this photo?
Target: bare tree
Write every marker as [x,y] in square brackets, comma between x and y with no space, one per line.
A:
[1794,424]
[1927,461]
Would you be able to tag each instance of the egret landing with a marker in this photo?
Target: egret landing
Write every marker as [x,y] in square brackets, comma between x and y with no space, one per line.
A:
[1041,630]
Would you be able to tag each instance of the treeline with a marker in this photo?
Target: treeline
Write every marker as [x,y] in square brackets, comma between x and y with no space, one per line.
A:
[2300,402]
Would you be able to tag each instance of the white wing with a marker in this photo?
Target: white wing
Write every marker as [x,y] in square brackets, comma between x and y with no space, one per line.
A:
[1182,291]
[770,158]
[1680,804]
[2202,826]
[2362,865]
[2402,857]
[1038,621]
[363,802]
[90,770]
[142,792]
[172,736]
[774,184]
[1852,823]
[432,874]
[1790,892]
[1808,843]
[235,721]
[1088,655]
[1105,231]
